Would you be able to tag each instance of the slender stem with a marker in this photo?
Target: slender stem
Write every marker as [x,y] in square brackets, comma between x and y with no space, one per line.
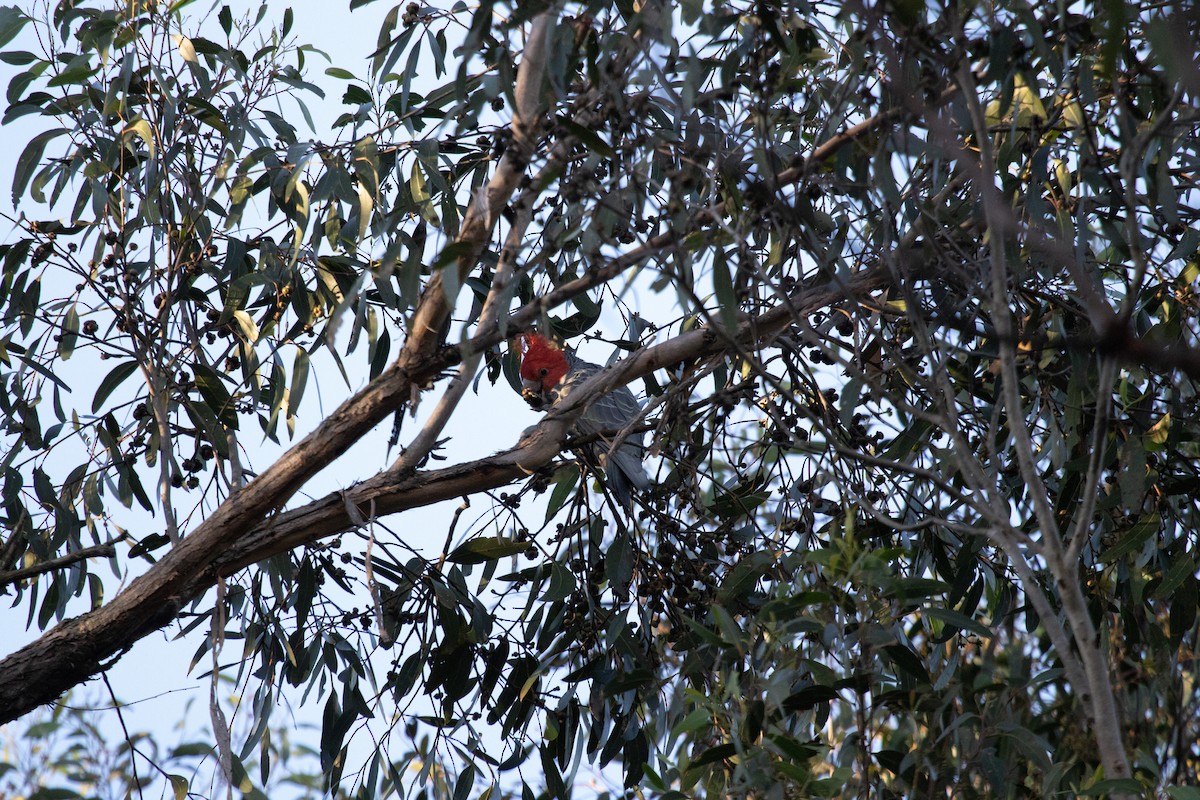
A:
[133,751]
[1095,686]
[525,121]
[1081,526]
[106,550]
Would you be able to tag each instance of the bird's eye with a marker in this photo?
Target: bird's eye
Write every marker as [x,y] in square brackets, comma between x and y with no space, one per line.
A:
[543,372]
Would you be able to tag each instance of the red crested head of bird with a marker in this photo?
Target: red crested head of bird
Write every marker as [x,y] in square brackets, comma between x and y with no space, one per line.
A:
[543,365]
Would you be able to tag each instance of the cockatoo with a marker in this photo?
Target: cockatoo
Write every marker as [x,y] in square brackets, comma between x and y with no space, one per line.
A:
[549,373]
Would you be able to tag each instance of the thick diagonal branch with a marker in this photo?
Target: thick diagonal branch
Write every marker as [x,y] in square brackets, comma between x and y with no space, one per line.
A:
[77,648]
[249,526]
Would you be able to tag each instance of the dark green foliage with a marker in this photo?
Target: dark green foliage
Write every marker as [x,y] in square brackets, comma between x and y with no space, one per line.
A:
[924,527]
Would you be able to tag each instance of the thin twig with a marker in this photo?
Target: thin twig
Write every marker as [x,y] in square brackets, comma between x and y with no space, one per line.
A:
[133,751]
[106,550]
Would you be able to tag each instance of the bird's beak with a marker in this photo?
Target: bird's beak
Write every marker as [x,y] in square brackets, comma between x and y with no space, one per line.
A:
[531,392]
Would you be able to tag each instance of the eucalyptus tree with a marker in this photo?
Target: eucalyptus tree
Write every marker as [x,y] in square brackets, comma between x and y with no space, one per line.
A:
[910,291]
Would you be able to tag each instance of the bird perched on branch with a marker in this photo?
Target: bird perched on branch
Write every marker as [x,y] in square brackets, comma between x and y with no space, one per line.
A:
[549,373]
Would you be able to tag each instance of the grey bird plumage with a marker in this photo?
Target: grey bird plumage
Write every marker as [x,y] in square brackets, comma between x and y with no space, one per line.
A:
[608,415]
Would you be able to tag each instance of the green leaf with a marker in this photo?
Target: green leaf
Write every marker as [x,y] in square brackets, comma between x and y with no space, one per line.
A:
[1156,437]
[727,302]
[565,481]
[366,165]
[738,502]
[618,563]
[111,381]
[30,159]
[54,793]
[809,697]
[1133,540]
[486,548]
[713,755]
[1183,610]
[562,583]
[40,730]
[915,588]
[149,544]
[451,253]
[1112,786]
[464,784]
[588,137]
[12,20]
[910,439]
[142,128]
[694,721]
[216,397]
[40,369]
[1183,568]
[78,71]
[18,58]
[356,95]
[299,380]
[907,661]
[957,620]
[745,576]
[70,333]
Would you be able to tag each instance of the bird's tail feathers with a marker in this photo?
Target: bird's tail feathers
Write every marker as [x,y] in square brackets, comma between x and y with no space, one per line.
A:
[624,473]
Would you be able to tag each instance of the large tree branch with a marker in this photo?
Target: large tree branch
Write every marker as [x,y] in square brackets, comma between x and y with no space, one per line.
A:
[1096,689]
[247,529]
[239,532]
[79,647]
[389,493]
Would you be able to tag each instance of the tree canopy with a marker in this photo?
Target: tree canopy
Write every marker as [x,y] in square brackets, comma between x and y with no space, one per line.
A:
[910,291]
